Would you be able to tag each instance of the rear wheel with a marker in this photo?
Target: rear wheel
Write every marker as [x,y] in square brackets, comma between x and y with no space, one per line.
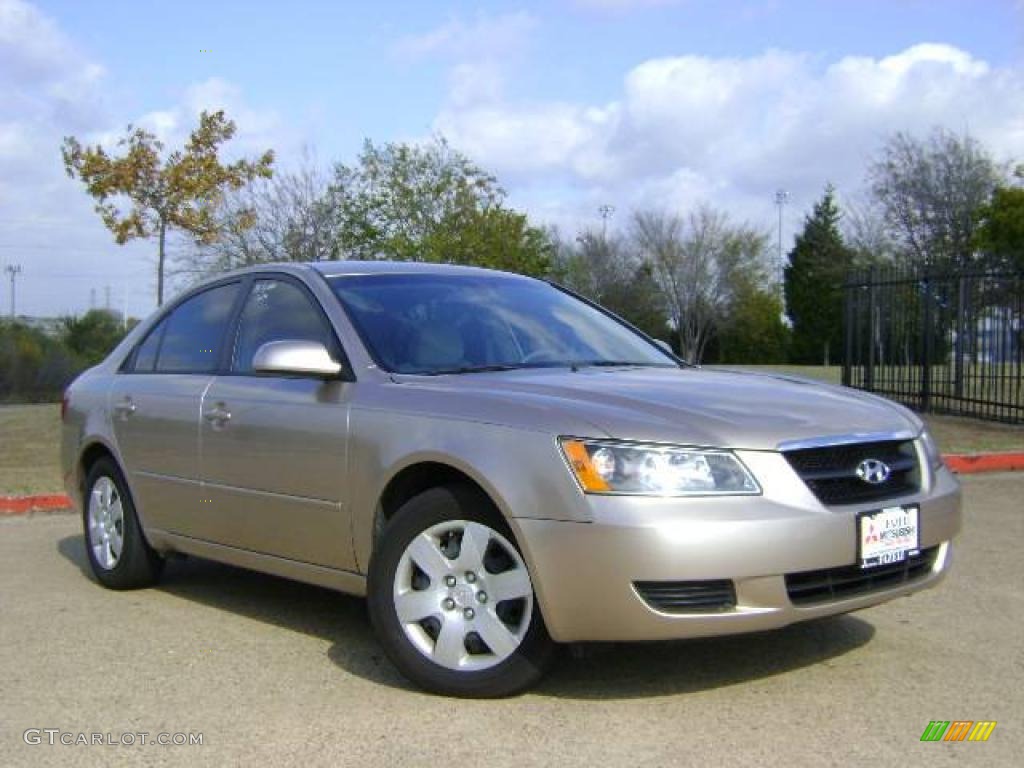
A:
[452,600]
[119,556]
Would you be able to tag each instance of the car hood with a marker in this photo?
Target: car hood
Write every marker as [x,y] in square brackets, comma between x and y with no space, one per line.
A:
[690,406]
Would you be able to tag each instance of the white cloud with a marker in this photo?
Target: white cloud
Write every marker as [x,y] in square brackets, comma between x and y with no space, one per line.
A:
[732,130]
[258,129]
[48,89]
[485,36]
[619,6]
[479,52]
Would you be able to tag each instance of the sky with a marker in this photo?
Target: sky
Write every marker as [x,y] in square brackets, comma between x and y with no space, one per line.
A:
[573,104]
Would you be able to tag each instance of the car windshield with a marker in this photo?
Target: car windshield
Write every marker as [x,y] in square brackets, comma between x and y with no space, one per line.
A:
[436,324]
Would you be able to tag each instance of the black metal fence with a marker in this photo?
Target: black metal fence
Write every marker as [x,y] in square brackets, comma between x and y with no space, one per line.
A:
[949,342]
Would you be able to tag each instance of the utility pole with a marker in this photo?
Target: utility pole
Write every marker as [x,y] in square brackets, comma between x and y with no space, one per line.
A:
[781,198]
[606,212]
[106,297]
[13,270]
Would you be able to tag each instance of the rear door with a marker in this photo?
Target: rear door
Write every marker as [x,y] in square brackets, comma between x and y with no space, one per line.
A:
[155,407]
[273,447]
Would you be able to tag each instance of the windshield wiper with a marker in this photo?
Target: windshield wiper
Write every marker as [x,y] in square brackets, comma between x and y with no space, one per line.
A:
[577,364]
[488,368]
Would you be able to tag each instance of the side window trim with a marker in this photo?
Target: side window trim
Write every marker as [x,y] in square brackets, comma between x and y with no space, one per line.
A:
[335,348]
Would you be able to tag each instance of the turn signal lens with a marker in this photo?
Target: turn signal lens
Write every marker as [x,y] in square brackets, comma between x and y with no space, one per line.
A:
[583,466]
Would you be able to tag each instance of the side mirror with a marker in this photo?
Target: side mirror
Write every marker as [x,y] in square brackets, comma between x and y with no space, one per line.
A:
[303,358]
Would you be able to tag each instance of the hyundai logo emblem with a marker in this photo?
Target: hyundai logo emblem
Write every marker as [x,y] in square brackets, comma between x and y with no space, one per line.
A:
[873,471]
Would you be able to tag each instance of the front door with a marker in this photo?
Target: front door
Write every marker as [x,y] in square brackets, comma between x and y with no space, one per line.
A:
[273,448]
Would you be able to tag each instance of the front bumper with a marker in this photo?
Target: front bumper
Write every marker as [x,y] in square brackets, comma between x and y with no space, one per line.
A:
[584,573]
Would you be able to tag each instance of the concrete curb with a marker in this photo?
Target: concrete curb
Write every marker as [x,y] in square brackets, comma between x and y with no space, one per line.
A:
[20,505]
[961,463]
[973,463]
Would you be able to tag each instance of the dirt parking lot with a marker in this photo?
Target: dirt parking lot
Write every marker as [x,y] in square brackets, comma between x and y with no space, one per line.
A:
[272,672]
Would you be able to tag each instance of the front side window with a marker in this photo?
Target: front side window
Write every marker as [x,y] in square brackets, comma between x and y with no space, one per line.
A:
[195,332]
[276,310]
[432,324]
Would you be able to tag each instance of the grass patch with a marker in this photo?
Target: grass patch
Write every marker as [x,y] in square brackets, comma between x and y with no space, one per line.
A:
[29,449]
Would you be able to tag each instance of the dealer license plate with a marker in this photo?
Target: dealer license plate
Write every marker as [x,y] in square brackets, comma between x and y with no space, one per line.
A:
[888,536]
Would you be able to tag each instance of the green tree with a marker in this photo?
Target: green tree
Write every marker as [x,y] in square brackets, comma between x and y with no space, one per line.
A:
[698,262]
[1000,233]
[814,278]
[607,270]
[753,332]
[33,366]
[181,191]
[91,336]
[930,192]
[430,203]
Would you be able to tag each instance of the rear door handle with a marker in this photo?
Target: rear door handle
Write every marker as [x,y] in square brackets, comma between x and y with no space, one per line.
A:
[218,416]
[125,408]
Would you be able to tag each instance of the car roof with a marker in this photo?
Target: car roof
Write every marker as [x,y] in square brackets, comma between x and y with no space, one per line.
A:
[339,268]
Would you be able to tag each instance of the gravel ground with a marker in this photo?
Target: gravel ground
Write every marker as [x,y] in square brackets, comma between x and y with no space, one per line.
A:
[274,672]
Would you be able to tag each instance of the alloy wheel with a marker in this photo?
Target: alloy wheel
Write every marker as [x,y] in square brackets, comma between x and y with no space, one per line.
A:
[463,595]
[106,523]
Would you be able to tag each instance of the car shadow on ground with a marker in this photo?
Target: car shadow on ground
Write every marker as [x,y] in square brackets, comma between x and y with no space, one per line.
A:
[592,671]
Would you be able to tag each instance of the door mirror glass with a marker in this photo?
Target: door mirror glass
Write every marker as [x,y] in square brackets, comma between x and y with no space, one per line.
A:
[301,358]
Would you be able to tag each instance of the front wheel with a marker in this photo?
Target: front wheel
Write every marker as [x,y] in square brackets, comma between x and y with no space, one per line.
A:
[452,600]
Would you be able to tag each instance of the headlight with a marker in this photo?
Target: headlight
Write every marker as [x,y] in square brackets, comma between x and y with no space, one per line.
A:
[602,466]
[931,450]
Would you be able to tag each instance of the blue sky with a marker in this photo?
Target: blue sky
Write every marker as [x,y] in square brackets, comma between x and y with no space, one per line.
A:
[572,103]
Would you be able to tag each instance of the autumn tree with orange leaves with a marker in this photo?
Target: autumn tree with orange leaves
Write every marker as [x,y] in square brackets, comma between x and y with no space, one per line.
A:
[180,191]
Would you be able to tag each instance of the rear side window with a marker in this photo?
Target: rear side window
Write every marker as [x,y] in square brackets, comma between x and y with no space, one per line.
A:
[277,310]
[145,358]
[195,332]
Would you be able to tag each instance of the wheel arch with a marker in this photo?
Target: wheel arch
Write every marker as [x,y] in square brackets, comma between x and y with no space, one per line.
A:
[420,473]
[91,453]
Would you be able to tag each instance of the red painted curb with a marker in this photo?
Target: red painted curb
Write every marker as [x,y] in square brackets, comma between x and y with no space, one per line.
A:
[972,463]
[19,505]
[961,463]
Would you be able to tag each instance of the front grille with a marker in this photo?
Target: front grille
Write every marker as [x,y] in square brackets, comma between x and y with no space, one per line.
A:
[850,581]
[831,471]
[688,596]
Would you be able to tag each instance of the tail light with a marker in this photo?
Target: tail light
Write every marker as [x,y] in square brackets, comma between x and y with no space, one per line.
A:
[64,400]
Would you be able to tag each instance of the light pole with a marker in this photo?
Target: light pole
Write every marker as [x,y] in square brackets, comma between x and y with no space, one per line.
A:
[606,212]
[781,198]
[13,270]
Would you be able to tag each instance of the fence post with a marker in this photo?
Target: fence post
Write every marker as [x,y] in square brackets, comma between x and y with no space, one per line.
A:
[961,332]
[926,346]
[848,320]
[869,369]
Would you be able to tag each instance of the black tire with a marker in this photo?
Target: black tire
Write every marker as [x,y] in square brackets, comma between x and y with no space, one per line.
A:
[137,564]
[520,670]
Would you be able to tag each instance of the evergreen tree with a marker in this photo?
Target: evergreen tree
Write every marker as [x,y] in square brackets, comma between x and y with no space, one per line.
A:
[818,266]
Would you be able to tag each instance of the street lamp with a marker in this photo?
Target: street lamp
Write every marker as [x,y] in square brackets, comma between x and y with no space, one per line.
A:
[781,198]
[606,212]
[13,270]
